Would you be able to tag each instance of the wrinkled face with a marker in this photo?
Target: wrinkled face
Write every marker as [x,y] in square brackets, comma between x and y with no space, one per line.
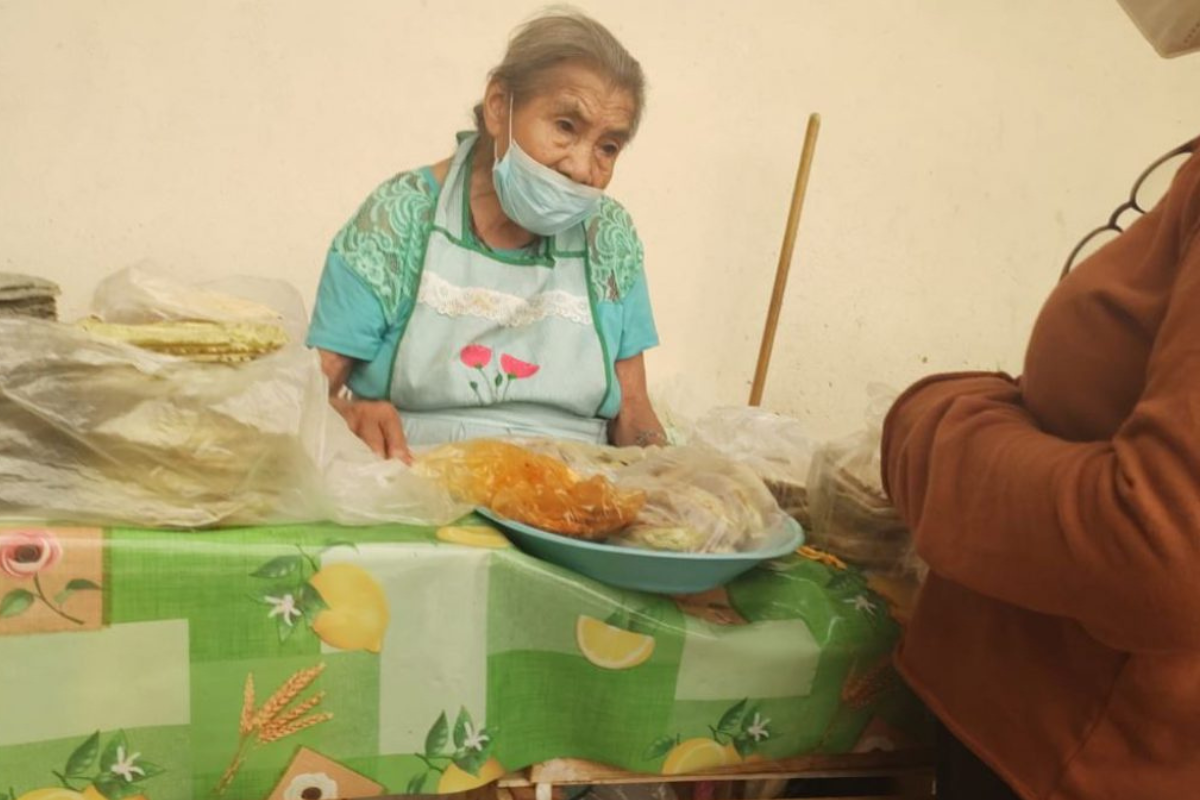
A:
[577,125]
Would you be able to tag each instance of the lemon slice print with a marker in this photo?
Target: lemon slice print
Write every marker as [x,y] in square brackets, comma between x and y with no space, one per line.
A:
[479,536]
[455,780]
[357,614]
[53,793]
[92,793]
[698,755]
[609,647]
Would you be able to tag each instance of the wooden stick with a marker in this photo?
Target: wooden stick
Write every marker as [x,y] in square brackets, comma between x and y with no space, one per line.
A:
[785,260]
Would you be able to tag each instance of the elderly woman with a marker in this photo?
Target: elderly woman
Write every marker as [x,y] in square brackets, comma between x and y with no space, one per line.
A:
[500,291]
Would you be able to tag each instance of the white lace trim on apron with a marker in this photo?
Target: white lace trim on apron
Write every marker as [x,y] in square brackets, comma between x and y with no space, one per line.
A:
[504,309]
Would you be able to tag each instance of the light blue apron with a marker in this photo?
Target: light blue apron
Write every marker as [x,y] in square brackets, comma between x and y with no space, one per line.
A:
[499,343]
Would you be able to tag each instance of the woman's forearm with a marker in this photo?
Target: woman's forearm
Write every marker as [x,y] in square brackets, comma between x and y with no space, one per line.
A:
[636,424]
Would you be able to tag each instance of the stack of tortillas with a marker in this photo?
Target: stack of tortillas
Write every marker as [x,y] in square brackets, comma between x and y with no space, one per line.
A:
[27,296]
[217,342]
[145,309]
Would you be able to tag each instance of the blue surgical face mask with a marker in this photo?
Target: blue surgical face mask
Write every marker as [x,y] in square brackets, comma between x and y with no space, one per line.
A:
[539,199]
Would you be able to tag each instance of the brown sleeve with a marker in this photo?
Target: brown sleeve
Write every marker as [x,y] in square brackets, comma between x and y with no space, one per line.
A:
[1106,533]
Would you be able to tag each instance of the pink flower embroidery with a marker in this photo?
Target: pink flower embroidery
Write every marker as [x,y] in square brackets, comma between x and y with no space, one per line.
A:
[516,368]
[25,553]
[476,356]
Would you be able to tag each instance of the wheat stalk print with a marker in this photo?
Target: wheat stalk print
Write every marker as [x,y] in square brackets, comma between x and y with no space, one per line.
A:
[296,713]
[286,693]
[275,734]
[277,719]
[247,721]
[861,688]
[230,773]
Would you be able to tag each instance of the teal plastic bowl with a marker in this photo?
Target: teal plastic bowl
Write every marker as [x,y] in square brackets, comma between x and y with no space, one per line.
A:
[655,571]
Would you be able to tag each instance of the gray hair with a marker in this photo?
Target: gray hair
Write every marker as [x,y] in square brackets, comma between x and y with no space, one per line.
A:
[560,35]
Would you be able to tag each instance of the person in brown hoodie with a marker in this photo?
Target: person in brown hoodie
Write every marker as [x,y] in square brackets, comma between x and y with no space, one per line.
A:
[1057,637]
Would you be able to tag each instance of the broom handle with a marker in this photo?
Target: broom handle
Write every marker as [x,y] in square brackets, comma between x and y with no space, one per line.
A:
[785,260]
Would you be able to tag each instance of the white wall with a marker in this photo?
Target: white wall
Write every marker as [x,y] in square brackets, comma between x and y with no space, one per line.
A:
[966,145]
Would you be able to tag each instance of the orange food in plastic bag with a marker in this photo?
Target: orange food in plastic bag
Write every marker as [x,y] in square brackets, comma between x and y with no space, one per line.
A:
[532,488]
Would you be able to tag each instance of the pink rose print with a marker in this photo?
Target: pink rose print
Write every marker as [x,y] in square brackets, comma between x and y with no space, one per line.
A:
[517,369]
[476,356]
[25,553]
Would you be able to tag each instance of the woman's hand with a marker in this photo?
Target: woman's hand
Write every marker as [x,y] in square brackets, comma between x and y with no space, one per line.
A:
[636,424]
[376,422]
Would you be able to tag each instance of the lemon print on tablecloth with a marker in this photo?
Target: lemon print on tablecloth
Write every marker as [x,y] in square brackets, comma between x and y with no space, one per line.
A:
[610,647]
[455,779]
[460,755]
[53,793]
[60,793]
[112,772]
[735,740]
[473,536]
[92,793]
[699,755]
[356,614]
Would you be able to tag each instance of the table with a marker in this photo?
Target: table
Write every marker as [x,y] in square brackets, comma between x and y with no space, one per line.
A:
[316,661]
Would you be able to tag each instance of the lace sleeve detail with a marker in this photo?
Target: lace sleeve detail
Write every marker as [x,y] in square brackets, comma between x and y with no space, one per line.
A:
[384,242]
[615,250]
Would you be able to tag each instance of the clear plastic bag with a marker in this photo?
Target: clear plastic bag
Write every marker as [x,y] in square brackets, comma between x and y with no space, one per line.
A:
[95,431]
[532,487]
[688,499]
[699,501]
[139,294]
[359,488]
[851,515]
[774,446]
[585,458]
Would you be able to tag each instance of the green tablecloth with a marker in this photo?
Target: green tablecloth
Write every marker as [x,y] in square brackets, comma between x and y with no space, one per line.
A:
[310,661]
